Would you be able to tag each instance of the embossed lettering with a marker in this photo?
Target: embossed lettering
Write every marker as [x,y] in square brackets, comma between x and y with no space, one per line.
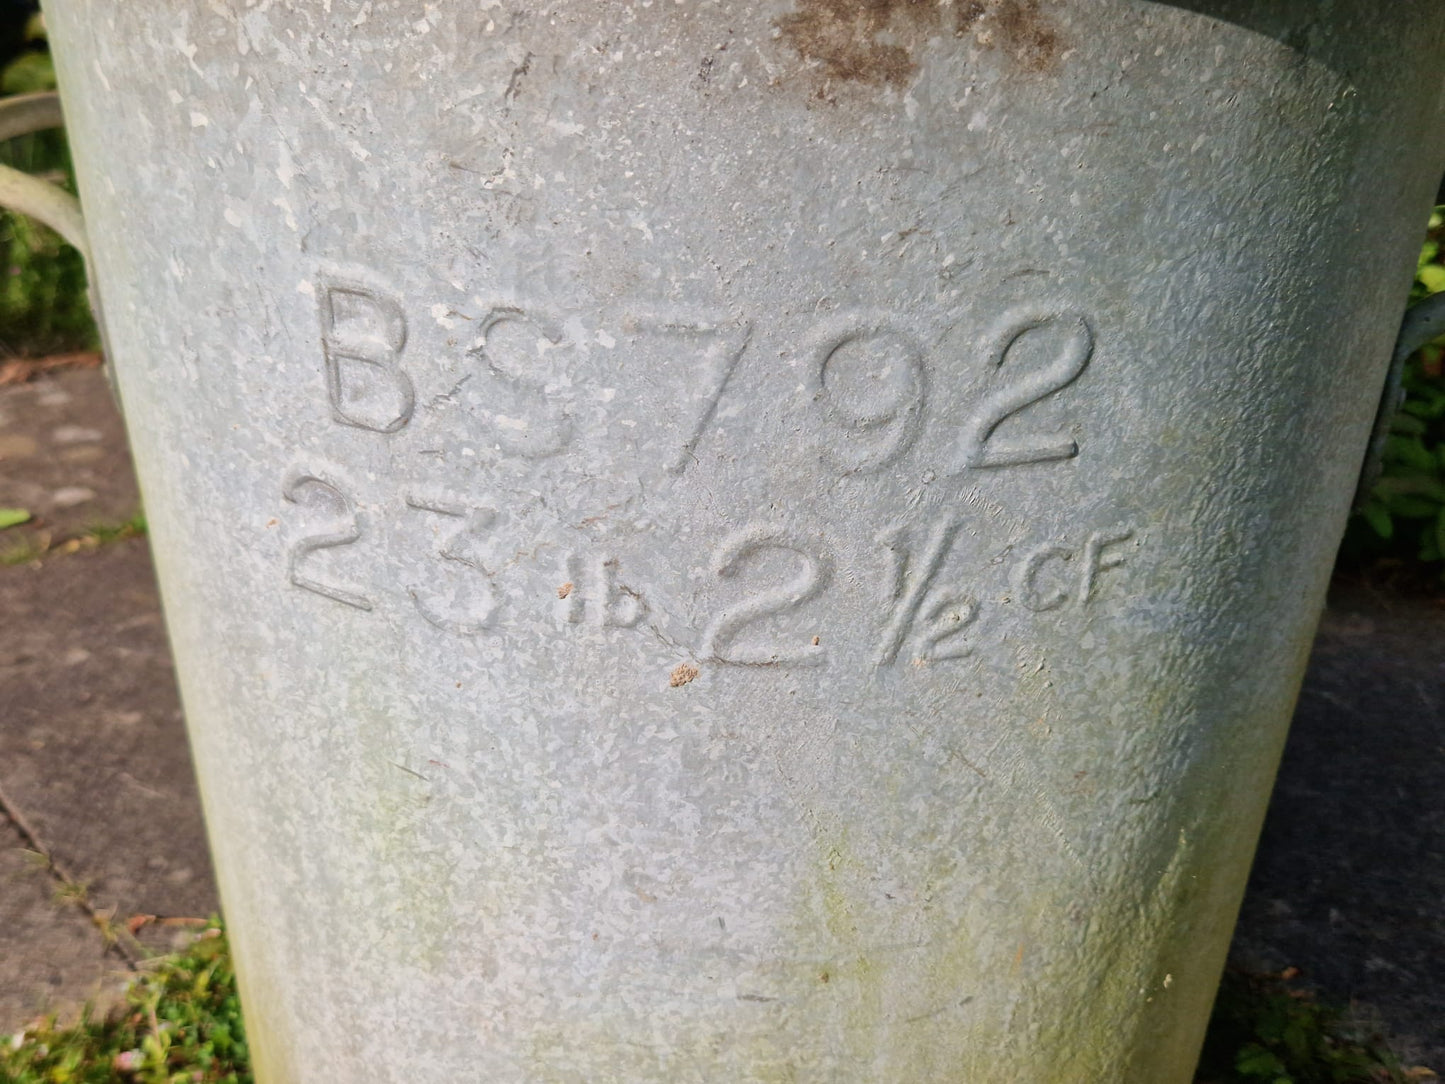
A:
[980,447]
[1039,580]
[1028,572]
[870,382]
[909,583]
[732,555]
[944,624]
[301,487]
[362,337]
[1097,559]
[726,346]
[523,418]
[475,603]
[593,594]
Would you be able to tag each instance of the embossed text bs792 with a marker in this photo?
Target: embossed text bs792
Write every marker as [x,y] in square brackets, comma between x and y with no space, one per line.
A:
[364,336]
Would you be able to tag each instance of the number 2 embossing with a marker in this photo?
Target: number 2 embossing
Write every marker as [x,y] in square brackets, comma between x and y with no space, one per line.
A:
[719,642]
[979,447]
[294,491]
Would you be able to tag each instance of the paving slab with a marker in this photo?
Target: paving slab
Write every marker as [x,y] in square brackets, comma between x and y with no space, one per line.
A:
[1349,881]
[51,956]
[63,457]
[92,747]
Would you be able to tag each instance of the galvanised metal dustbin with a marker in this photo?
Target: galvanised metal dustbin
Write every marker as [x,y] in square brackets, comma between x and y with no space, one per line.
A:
[744,540]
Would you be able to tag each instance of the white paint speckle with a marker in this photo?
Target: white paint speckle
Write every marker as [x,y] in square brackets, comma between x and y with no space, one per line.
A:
[286,169]
[638,223]
[304,287]
[566,128]
[199,120]
[280,202]
[606,340]
[233,216]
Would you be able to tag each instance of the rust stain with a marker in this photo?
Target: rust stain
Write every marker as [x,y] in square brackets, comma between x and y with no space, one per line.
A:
[844,37]
[874,42]
[970,12]
[1017,27]
[682,674]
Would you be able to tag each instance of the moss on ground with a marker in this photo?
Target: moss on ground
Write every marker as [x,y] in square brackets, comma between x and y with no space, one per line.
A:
[180,1021]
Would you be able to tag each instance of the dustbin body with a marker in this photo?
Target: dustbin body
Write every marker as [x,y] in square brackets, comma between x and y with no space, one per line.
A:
[751,540]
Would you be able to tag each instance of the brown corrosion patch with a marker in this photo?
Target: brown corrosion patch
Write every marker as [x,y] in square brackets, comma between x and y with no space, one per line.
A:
[873,42]
[1017,27]
[682,673]
[860,40]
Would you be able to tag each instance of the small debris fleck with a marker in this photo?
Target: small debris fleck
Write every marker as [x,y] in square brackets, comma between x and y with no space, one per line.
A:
[128,1061]
[817,640]
[70,496]
[682,673]
[565,589]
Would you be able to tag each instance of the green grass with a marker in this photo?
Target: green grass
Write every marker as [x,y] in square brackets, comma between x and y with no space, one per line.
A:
[35,547]
[1266,1030]
[180,1022]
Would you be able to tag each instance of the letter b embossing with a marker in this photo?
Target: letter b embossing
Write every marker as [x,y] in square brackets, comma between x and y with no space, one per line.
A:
[362,336]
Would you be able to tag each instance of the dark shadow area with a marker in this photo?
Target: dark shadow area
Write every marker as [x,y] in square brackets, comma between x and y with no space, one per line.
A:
[1311,27]
[1349,880]
[1283,20]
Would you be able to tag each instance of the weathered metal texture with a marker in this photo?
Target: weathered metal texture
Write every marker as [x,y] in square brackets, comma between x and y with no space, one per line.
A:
[972,394]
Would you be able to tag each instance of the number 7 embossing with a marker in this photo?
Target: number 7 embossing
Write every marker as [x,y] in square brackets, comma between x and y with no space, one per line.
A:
[727,348]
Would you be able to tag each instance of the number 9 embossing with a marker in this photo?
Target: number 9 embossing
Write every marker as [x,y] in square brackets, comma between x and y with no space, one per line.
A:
[870,382]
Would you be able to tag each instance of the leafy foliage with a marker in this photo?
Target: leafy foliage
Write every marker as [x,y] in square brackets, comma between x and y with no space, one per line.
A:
[181,1022]
[43,306]
[1403,518]
[1265,1031]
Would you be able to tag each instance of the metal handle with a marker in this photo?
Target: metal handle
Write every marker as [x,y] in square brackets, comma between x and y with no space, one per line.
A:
[1424,322]
[41,200]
